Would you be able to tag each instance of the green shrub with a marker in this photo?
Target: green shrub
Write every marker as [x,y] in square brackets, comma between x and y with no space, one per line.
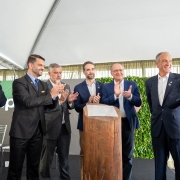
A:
[143,144]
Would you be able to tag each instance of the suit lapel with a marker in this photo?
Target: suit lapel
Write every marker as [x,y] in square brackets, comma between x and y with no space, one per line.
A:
[31,82]
[97,87]
[111,87]
[170,82]
[85,88]
[40,87]
[168,87]
[155,88]
[49,84]
[126,87]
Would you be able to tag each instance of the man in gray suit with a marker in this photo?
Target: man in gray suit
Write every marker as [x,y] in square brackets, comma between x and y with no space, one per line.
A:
[58,129]
[165,128]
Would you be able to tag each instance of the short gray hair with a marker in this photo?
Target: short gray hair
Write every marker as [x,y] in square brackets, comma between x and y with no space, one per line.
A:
[158,55]
[53,65]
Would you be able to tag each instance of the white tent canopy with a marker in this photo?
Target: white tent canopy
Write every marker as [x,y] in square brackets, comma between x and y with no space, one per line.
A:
[71,32]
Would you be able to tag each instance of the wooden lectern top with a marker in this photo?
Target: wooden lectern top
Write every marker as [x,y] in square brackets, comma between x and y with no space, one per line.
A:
[105,117]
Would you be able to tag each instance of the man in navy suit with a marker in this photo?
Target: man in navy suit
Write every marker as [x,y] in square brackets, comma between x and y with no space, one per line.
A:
[124,95]
[89,92]
[165,127]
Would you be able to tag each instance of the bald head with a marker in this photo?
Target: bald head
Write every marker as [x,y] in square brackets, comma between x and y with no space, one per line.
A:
[117,71]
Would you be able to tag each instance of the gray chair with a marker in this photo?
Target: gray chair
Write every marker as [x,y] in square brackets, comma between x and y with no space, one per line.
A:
[3,129]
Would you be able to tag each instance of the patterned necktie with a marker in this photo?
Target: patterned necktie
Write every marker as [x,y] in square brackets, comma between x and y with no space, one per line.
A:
[36,83]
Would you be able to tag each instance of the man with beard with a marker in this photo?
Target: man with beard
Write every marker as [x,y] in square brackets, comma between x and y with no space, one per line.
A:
[165,124]
[31,97]
[58,128]
[89,92]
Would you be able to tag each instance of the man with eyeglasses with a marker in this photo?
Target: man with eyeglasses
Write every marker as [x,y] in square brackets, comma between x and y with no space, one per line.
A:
[124,95]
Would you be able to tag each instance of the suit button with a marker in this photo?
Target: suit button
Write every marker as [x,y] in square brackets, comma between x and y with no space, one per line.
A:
[162,109]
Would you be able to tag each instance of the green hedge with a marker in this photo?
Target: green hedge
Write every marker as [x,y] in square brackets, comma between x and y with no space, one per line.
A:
[143,144]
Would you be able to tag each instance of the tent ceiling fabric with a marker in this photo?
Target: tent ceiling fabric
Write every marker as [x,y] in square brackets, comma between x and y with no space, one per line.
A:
[96,30]
[20,23]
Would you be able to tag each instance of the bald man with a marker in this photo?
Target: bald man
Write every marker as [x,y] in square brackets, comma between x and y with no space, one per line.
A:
[124,95]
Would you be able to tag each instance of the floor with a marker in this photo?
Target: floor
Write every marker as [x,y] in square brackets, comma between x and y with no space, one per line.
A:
[143,169]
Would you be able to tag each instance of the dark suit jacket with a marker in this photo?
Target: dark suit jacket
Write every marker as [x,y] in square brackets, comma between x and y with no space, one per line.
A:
[29,107]
[83,98]
[3,99]
[54,117]
[108,98]
[163,114]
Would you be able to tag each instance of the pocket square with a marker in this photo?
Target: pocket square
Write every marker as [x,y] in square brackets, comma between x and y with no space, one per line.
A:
[42,91]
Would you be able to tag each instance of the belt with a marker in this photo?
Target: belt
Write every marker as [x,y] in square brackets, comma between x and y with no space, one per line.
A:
[124,118]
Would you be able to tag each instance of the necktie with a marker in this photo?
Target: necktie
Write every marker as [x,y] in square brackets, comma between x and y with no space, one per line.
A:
[161,90]
[36,83]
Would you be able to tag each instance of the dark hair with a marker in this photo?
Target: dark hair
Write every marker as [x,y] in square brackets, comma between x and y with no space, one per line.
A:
[53,65]
[87,62]
[32,58]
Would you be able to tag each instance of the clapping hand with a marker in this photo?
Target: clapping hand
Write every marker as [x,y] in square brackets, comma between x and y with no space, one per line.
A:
[127,94]
[61,88]
[91,99]
[56,90]
[96,99]
[117,90]
[72,97]
[64,95]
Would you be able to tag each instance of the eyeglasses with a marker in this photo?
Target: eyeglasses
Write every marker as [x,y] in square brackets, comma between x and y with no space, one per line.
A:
[118,70]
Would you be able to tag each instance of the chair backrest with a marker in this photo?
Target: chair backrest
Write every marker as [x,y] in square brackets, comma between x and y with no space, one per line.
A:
[2,133]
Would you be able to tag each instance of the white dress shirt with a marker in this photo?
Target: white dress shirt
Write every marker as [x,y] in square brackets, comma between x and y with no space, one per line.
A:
[92,88]
[121,98]
[70,104]
[162,83]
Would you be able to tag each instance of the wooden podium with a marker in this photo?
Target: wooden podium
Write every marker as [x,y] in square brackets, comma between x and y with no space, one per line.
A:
[102,146]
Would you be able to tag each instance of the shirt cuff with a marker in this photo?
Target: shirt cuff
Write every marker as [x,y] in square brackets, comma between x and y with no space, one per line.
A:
[116,97]
[130,98]
[70,104]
